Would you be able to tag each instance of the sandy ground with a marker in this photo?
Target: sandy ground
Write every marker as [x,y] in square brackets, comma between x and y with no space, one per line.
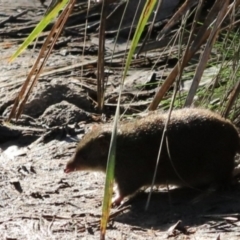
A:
[39,201]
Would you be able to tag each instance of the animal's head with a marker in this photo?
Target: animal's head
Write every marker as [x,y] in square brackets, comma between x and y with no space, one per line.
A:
[91,152]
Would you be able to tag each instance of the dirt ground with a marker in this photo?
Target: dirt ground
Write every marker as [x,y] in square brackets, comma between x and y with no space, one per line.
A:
[37,199]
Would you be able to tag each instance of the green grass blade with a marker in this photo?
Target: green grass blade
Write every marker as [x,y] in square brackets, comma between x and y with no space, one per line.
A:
[147,10]
[51,14]
[109,181]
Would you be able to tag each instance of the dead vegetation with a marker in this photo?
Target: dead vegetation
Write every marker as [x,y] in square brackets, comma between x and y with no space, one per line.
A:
[190,54]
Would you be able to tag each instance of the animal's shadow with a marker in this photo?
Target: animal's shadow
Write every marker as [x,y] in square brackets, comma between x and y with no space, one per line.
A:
[192,207]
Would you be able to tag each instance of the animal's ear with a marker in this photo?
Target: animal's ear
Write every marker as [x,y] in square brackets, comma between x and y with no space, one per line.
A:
[104,143]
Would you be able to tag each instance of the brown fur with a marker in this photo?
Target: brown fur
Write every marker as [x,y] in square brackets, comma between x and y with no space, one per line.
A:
[201,145]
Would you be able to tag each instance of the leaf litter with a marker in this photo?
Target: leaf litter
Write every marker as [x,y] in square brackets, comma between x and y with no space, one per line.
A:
[37,199]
